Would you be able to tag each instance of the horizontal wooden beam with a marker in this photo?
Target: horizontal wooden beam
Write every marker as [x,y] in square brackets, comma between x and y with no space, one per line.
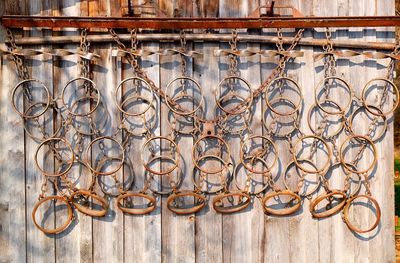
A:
[209,37]
[15,21]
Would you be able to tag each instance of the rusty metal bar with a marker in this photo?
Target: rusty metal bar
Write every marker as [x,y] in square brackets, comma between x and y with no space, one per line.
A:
[209,37]
[14,21]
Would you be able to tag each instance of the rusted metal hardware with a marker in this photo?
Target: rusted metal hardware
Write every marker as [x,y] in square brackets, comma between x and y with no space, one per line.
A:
[207,37]
[14,21]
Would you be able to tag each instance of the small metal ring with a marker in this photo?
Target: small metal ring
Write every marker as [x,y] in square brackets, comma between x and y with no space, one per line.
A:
[341,111]
[317,171]
[171,107]
[60,228]
[284,211]
[369,108]
[122,158]
[86,210]
[69,109]
[237,110]
[297,106]
[347,219]
[243,157]
[70,161]
[358,138]
[24,115]
[121,105]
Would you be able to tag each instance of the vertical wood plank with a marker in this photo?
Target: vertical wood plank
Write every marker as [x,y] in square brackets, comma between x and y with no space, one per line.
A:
[13,241]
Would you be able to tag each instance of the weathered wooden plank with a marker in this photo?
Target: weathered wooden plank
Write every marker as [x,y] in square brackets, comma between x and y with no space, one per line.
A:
[143,232]
[12,174]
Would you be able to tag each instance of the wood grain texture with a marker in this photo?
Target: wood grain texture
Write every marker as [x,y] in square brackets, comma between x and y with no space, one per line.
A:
[249,236]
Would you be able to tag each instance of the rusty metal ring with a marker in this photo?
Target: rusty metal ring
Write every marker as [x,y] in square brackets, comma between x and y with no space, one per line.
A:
[295,119]
[60,228]
[69,109]
[186,211]
[196,159]
[73,123]
[243,157]
[70,161]
[50,135]
[179,177]
[351,119]
[85,209]
[250,192]
[125,186]
[231,96]
[284,211]
[151,205]
[226,168]
[121,105]
[341,111]
[358,138]
[329,153]
[285,182]
[346,214]
[24,115]
[143,117]
[349,194]
[245,116]
[330,211]
[269,102]
[248,100]
[170,105]
[175,161]
[228,210]
[315,106]
[177,98]
[122,158]
[369,108]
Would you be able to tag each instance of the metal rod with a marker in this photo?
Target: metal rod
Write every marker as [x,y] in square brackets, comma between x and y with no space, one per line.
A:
[48,40]
[199,23]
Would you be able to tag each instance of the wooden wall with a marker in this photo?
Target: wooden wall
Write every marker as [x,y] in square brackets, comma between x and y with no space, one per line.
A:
[249,236]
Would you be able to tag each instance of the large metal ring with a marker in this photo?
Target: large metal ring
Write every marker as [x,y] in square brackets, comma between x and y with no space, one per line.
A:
[352,117]
[285,178]
[196,159]
[258,154]
[70,161]
[246,103]
[314,107]
[70,109]
[88,152]
[180,110]
[151,205]
[60,228]
[197,206]
[347,219]
[86,209]
[269,102]
[175,160]
[295,118]
[244,200]
[358,138]
[341,110]
[284,211]
[371,109]
[24,114]
[328,151]
[242,189]
[120,106]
